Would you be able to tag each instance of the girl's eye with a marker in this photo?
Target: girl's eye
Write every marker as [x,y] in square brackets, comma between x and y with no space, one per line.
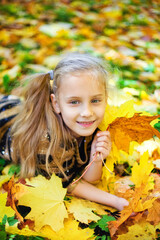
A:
[96,100]
[74,102]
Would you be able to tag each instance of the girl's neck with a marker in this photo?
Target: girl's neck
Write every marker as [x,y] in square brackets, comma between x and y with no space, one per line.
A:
[79,140]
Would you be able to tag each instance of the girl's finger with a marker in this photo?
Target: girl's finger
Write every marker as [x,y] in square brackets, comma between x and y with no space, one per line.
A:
[104,151]
[103,139]
[103,144]
[104,133]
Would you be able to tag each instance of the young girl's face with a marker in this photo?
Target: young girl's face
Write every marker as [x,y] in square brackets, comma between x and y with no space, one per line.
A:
[81,101]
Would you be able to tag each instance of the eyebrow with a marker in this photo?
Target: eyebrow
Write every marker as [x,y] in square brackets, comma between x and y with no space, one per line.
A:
[94,96]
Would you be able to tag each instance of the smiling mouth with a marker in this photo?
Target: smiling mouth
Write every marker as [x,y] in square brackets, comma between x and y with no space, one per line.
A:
[86,124]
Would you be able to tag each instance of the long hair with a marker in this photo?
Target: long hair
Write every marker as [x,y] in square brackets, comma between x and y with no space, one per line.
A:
[37,115]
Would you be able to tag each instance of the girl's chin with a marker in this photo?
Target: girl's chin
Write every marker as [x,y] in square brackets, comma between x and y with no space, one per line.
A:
[82,134]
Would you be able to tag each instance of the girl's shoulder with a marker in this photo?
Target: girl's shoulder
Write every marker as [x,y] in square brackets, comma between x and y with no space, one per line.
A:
[8,102]
[9,108]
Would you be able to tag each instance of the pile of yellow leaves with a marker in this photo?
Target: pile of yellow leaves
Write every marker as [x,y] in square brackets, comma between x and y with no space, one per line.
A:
[53,215]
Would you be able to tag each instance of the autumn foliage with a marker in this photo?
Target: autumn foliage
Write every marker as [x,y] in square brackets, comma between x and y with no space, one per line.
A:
[51,216]
[33,36]
[137,128]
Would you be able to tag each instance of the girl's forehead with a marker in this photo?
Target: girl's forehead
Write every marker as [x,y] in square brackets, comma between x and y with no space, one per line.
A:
[81,84]
[88,76]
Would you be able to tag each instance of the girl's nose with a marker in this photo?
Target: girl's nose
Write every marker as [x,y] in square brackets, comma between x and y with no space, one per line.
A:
[86,111]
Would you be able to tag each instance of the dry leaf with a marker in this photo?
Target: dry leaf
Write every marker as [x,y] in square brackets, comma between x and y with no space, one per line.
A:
[81,211]
[145,231]
[14,191]
[4,210]
[141,171]
[137,128]
[71,231]
[25,231]
[4,179]
[126,212]
[112,112]
[45,198]
[154,213]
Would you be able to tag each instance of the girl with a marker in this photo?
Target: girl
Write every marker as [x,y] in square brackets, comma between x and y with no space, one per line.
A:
[57,130]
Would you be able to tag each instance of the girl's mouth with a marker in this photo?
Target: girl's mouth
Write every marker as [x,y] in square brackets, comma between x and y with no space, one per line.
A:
[86,124]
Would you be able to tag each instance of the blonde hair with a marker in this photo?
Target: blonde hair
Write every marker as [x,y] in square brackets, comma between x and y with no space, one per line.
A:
[37,114]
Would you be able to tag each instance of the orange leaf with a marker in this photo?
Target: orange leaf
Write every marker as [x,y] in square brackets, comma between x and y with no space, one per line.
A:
[14,190]
[137,128]
[126,212]
[154,212]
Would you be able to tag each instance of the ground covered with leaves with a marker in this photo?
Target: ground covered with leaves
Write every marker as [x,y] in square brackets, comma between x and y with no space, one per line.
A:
[33,37]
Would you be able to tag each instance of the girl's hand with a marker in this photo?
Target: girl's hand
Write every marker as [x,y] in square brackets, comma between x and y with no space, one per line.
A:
[101,144]
[121,203]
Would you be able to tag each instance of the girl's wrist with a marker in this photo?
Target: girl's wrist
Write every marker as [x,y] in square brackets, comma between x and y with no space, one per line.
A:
[97,161]
[120,203]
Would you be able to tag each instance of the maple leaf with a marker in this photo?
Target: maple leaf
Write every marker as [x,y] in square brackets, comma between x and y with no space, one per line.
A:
[140,173]
[4,179]
[143,205]
[108,175]
[122,187]
[25,231]
[127,211]
[81,211]
[45,198]
[143,231]
[154,213]
[112,112]
[14,190]
[137,128]
[156,190]
[4,210]
[71,231]
[99,208]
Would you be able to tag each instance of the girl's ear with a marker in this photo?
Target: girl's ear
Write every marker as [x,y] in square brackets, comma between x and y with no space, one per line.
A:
[55,104]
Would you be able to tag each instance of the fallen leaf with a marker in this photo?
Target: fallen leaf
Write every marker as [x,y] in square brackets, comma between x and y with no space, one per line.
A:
[25,231]
[144,205]
[112,112]
[45,198]
[71,231]
[141,172]
[137,128]
[141,232]
[127,211]
[154,213]
[14,190]
[4,210]
[4,179]
[81,211]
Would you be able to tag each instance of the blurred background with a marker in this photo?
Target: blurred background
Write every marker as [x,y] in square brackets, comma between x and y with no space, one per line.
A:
[35,34]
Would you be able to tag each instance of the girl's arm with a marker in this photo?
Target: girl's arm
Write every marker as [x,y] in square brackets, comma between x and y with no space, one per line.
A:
[88,191]
[102,146]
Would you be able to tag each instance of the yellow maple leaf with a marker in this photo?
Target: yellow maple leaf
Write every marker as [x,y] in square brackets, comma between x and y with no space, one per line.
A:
[141,171]
[98,208]
[3,209]
[141,206]
[108,168]
[45,198]
[81,210]
[24,231]
[71,231]
[4,179]
[144,231]
[112,112]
